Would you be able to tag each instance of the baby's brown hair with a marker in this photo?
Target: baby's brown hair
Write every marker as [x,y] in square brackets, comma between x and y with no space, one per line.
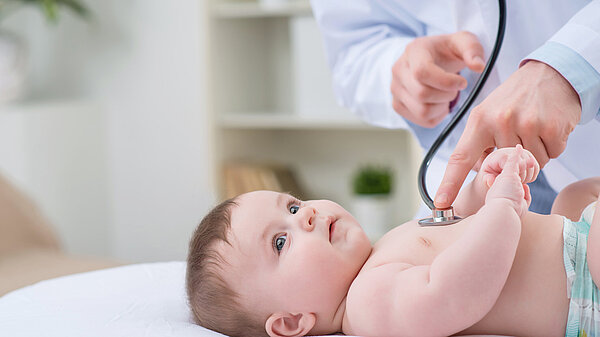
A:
[214,304]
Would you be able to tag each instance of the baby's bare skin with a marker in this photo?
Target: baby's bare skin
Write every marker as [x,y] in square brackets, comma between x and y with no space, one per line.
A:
[535,289]
[499,271]
[308,268]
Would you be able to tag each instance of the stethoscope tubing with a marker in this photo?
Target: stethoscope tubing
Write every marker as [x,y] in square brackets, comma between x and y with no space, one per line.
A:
[464,108]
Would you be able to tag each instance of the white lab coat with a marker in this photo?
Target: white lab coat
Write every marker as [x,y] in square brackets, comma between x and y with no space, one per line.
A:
[364,38]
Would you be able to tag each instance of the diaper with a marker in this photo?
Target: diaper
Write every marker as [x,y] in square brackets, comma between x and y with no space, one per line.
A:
[584,314]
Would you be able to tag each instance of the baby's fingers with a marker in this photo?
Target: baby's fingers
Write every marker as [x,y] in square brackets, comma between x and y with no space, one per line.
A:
[527,195]
[532,166]
[535,168]
[514,164]
[529,176]
[523,168]
[531,171]
[489,180]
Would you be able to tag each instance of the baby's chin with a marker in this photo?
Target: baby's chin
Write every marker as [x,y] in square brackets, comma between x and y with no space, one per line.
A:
[363,244]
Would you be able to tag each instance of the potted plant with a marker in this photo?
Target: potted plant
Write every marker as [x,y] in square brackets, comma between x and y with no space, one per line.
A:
[13,58]
[372,188]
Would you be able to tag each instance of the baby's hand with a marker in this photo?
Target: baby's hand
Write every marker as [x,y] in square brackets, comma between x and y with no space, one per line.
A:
[516,169]
[493,164]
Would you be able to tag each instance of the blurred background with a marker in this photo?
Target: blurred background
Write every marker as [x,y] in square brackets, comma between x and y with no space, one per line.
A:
[124,126]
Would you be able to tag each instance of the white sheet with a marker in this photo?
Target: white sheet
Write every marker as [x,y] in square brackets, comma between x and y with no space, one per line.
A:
[137,300]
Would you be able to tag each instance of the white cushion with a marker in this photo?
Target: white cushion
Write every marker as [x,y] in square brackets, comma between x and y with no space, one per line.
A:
[137,300]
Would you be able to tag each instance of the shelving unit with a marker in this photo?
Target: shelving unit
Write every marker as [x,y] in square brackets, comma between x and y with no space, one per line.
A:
[283,121]
[271,101]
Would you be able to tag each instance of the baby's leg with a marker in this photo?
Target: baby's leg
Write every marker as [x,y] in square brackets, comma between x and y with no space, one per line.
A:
[571,201]
[593,245]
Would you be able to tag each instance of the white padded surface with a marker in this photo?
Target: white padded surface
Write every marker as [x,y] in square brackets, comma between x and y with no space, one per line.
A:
[146,300]
[137,300]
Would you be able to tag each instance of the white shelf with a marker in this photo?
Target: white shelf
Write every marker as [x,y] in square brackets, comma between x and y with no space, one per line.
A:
[35,106]
[283,121]
[254,9]
[269,80]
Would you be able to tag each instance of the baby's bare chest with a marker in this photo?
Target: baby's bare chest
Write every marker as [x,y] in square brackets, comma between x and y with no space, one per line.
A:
[413,244]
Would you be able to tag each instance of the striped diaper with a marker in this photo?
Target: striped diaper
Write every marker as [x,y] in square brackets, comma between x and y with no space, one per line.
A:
[584,308]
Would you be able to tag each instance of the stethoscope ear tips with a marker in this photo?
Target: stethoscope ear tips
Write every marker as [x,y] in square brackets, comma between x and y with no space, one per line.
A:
[441,217]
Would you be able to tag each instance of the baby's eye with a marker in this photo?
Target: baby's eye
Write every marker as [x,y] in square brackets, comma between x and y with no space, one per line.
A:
[279,242]
[294,209]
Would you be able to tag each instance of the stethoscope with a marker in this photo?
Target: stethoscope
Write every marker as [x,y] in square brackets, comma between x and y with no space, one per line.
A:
[442,217]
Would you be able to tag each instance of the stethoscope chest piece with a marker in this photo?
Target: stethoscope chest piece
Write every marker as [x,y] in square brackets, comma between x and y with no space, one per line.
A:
[441,217]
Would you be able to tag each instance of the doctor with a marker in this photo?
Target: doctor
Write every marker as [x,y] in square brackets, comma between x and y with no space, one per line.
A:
[411,64]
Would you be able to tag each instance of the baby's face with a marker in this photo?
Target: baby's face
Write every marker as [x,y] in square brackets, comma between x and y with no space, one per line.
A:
[293,256]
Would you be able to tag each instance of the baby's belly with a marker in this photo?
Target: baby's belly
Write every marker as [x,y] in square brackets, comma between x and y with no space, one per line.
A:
[533,301]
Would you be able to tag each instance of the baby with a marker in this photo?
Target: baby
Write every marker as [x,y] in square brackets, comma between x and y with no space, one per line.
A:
[265,263]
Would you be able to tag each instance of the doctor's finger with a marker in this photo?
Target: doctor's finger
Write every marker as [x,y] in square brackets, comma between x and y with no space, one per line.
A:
[474,141]
[428,94]
[423,114]
[555,139]
[428,114]
[536,146]
[427,72]
[400,108]
[467,47]
[506,138]
[405,112]
[481,159]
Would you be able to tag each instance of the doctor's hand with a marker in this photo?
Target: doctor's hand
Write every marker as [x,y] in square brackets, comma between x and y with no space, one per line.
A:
[535,107]
[425,79]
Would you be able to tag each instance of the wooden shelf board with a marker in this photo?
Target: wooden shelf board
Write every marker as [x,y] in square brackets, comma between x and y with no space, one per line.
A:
[288,121]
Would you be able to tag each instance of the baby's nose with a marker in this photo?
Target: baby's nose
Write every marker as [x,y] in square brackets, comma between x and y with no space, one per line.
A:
[308,218]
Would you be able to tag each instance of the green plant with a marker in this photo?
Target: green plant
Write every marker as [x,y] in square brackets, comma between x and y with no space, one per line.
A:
[50,8]
[370,179]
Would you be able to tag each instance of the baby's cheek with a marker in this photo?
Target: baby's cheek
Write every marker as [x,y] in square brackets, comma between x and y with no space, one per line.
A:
[322,282]
[318,264]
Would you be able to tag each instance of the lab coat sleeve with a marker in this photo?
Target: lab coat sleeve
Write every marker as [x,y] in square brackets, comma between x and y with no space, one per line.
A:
[574,51]
[363,39]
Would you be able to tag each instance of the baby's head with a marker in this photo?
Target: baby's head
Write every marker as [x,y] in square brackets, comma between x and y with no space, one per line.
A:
[267,263]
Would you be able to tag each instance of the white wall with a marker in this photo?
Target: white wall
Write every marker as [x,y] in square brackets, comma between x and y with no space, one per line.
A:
[141,62]
[56,153]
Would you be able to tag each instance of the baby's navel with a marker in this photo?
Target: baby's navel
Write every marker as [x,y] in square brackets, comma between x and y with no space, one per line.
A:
[425,242]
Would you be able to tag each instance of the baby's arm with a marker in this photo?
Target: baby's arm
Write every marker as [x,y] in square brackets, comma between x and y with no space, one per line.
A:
[460,286]
[471,197]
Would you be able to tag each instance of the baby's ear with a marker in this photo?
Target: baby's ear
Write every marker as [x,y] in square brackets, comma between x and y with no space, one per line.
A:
[288,325]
